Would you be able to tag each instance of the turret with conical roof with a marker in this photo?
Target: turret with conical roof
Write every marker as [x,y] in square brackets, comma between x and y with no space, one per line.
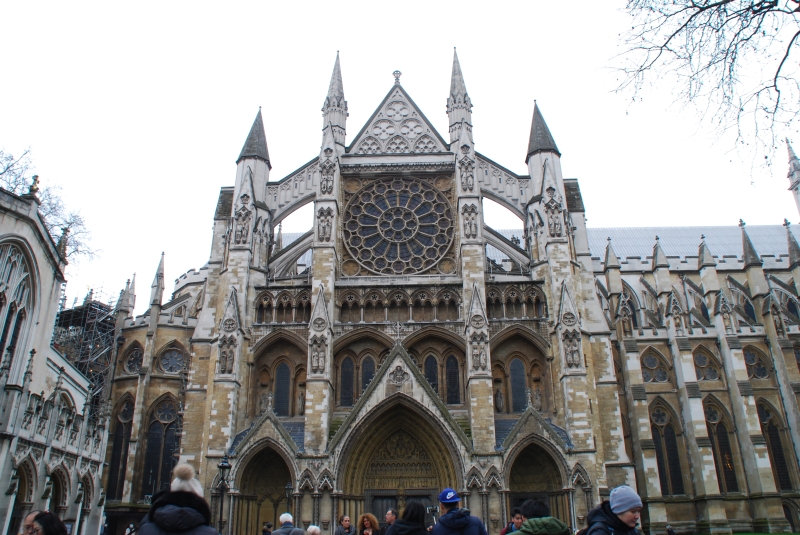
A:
[541,140]
[707,267]
[459,106]
[753,266]
[334,109]
[255,146]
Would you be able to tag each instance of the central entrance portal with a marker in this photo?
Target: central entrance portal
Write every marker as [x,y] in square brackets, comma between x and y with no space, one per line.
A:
[399,456]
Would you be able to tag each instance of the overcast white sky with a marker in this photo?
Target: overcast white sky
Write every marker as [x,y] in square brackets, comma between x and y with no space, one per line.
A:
[139,111]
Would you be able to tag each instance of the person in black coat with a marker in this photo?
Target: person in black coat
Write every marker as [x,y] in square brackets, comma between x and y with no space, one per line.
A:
[454,520]
[619,515]
[412,522]
[180,510]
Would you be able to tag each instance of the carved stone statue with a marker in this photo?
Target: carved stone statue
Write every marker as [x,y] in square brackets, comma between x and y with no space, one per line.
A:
[482,358]
[499,401]
[537,399]
[778,325]
[264,404]
[726,319]
[476,362]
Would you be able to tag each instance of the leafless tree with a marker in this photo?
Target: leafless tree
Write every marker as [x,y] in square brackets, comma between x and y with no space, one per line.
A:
[16,176]
[736,60]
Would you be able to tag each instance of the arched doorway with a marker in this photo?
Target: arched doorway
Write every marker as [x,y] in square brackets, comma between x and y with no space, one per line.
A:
[398,455]
[536,474]
[261,492]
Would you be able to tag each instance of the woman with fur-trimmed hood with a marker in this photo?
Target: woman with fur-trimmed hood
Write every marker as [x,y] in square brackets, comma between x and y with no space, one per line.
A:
[181,510]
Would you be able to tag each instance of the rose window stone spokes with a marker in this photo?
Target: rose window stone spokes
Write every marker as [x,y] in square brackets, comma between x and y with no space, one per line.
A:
[398,226]
[172,361]
[134,361]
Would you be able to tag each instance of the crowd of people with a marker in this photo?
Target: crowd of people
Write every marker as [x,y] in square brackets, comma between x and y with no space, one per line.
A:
[182,510]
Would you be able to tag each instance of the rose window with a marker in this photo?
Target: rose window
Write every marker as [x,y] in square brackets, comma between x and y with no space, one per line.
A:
[653,371]
[398,226]
[172,361]
[134,361]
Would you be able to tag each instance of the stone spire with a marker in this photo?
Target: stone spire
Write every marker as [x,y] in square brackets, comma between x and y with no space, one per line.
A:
[704,256]
[256,144]
[611,260]
[659,258]
[749,254]
[459,106]
[157,288]
[334,110]
[794,247]
[541,139]
[127,297]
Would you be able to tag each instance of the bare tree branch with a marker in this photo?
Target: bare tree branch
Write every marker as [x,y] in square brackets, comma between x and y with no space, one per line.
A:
[734,60]
[16,176]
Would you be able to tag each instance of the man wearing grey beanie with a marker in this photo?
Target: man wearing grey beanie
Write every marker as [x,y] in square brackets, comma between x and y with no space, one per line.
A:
[619,515]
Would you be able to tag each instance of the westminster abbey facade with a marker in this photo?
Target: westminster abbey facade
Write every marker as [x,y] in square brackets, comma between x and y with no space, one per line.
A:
[402,346]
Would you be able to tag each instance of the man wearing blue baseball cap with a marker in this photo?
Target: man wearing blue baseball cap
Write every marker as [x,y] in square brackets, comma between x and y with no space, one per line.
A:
[454,520]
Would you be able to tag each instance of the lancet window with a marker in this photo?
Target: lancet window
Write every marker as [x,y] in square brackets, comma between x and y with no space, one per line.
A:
[283,388]
[719,432]
[162,449]
[346,383]
[773,431]
[665,438]
[15,299]
[519,400]
[367,372]
[121,437]
[432,372]
[453,380]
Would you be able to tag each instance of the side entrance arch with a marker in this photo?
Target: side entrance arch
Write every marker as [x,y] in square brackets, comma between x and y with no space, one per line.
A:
[261,492]
[535,473]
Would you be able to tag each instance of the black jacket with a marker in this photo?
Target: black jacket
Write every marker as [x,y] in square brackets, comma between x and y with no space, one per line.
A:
[288,529]
[183,513]
[403,527]
[603,521]
[459,522]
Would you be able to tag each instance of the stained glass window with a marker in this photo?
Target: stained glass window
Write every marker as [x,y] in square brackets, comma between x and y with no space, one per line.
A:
[162,447]
[667,452]
[432,372]
[518,384]
[453,383]
[367,372]
[282,389]
[346,395]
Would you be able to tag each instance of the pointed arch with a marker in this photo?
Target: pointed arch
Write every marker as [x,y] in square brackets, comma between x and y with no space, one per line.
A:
[280,334]
[162,443]
[453,339]
[474,479]
[28,475]
[759,366]
[119,442]
[778,445]
[326,480]
[520,330]
[132,358]
[719,425]
[362,333]
[307,481]
[665,427]
[556,455]
[656,368]
[580,477]
[172,358]
[494,478]
[410,415]
[707,366]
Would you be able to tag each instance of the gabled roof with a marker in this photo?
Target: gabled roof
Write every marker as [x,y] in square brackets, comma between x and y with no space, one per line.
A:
[367,133]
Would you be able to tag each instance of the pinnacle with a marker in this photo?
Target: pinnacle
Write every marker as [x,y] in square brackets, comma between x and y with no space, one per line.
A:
[611,261]
[457,85]
[256,144]
[792,155]
[336,87]
[749,256]
[541,139]
[794,247]
[704,256]
[659,258]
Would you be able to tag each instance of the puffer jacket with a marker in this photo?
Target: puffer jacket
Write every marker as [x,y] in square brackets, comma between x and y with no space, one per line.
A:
[459,522]
[602,521]
[178,513]
[546,525]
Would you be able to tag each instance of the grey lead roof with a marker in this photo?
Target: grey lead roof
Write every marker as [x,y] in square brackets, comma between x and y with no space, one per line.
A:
[768,240]
[676,242]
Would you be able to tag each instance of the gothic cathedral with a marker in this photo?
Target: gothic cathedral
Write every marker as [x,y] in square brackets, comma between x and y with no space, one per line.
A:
[402,345]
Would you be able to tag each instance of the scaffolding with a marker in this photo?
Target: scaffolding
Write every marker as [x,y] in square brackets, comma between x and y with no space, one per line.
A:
[84,335]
